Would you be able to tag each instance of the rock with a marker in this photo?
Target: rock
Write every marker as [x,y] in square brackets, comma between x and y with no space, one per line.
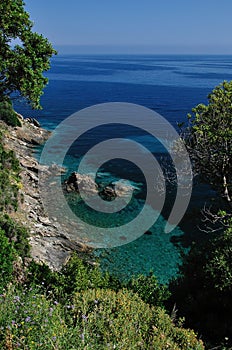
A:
[33,176]
[52,242]
[44,220]
[123,189]
[35,122]
[32,215]
[29,163]
[56,170]
[30,134]
[77,182]
[19,116]
[108,193]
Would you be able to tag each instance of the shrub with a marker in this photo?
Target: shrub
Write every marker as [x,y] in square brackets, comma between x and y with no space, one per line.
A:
[17,235]
[203,291]
[121,320]
[7,255]
[9,179]
[96,319]
[77,275]
[7,114]
[149,290]
[30,321]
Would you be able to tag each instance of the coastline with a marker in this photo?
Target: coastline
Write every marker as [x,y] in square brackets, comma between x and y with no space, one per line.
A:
[49,241]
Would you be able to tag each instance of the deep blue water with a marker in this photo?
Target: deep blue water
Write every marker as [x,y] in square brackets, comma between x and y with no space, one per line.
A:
[169,85]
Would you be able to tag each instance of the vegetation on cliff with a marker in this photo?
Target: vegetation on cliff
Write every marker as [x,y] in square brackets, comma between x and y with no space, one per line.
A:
[9,179]
[81,308]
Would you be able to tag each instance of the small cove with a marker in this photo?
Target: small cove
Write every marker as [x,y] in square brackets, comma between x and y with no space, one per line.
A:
[170,85]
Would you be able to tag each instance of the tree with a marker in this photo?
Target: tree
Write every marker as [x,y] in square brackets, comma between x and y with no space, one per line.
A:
[22,65]
[202,293]
[209,139]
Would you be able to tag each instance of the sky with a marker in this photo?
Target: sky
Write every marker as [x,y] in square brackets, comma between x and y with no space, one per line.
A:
[135,26]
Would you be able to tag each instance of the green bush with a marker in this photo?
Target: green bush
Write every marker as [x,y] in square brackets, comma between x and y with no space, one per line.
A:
[203,291]
[121,320]
[30,321]
[17,234]
[7,114]
[149,290]
[95,319]
[7,255]
[9,179]
[77,275]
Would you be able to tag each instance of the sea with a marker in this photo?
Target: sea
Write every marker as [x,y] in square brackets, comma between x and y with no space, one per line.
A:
[170,85]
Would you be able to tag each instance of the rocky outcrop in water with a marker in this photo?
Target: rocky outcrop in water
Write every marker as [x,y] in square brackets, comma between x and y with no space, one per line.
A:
[81,182]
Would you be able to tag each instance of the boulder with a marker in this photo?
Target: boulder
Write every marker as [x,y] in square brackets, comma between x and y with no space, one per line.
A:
[33,121]
[36,123]
[77,182]
[19,116]
[108,193]
[123,189]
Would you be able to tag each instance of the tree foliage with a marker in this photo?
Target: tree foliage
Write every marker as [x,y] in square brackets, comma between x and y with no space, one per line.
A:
[203,291]
[209,139]
[149,290]
[8,115]
[22,65]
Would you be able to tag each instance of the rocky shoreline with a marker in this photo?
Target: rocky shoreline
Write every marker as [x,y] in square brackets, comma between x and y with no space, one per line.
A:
[50,242]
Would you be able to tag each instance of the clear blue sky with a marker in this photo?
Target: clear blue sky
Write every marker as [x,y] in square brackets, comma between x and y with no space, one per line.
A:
[151,26]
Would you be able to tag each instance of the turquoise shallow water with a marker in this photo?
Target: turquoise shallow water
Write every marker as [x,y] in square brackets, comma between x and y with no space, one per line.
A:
[154,252]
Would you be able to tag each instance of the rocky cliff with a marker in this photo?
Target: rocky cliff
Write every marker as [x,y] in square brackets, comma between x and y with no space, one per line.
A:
[50,243]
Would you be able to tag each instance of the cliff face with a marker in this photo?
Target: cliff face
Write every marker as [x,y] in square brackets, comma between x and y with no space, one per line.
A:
[50,243]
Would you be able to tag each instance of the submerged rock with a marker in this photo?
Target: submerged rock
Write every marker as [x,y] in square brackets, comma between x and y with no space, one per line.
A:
[149,233]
